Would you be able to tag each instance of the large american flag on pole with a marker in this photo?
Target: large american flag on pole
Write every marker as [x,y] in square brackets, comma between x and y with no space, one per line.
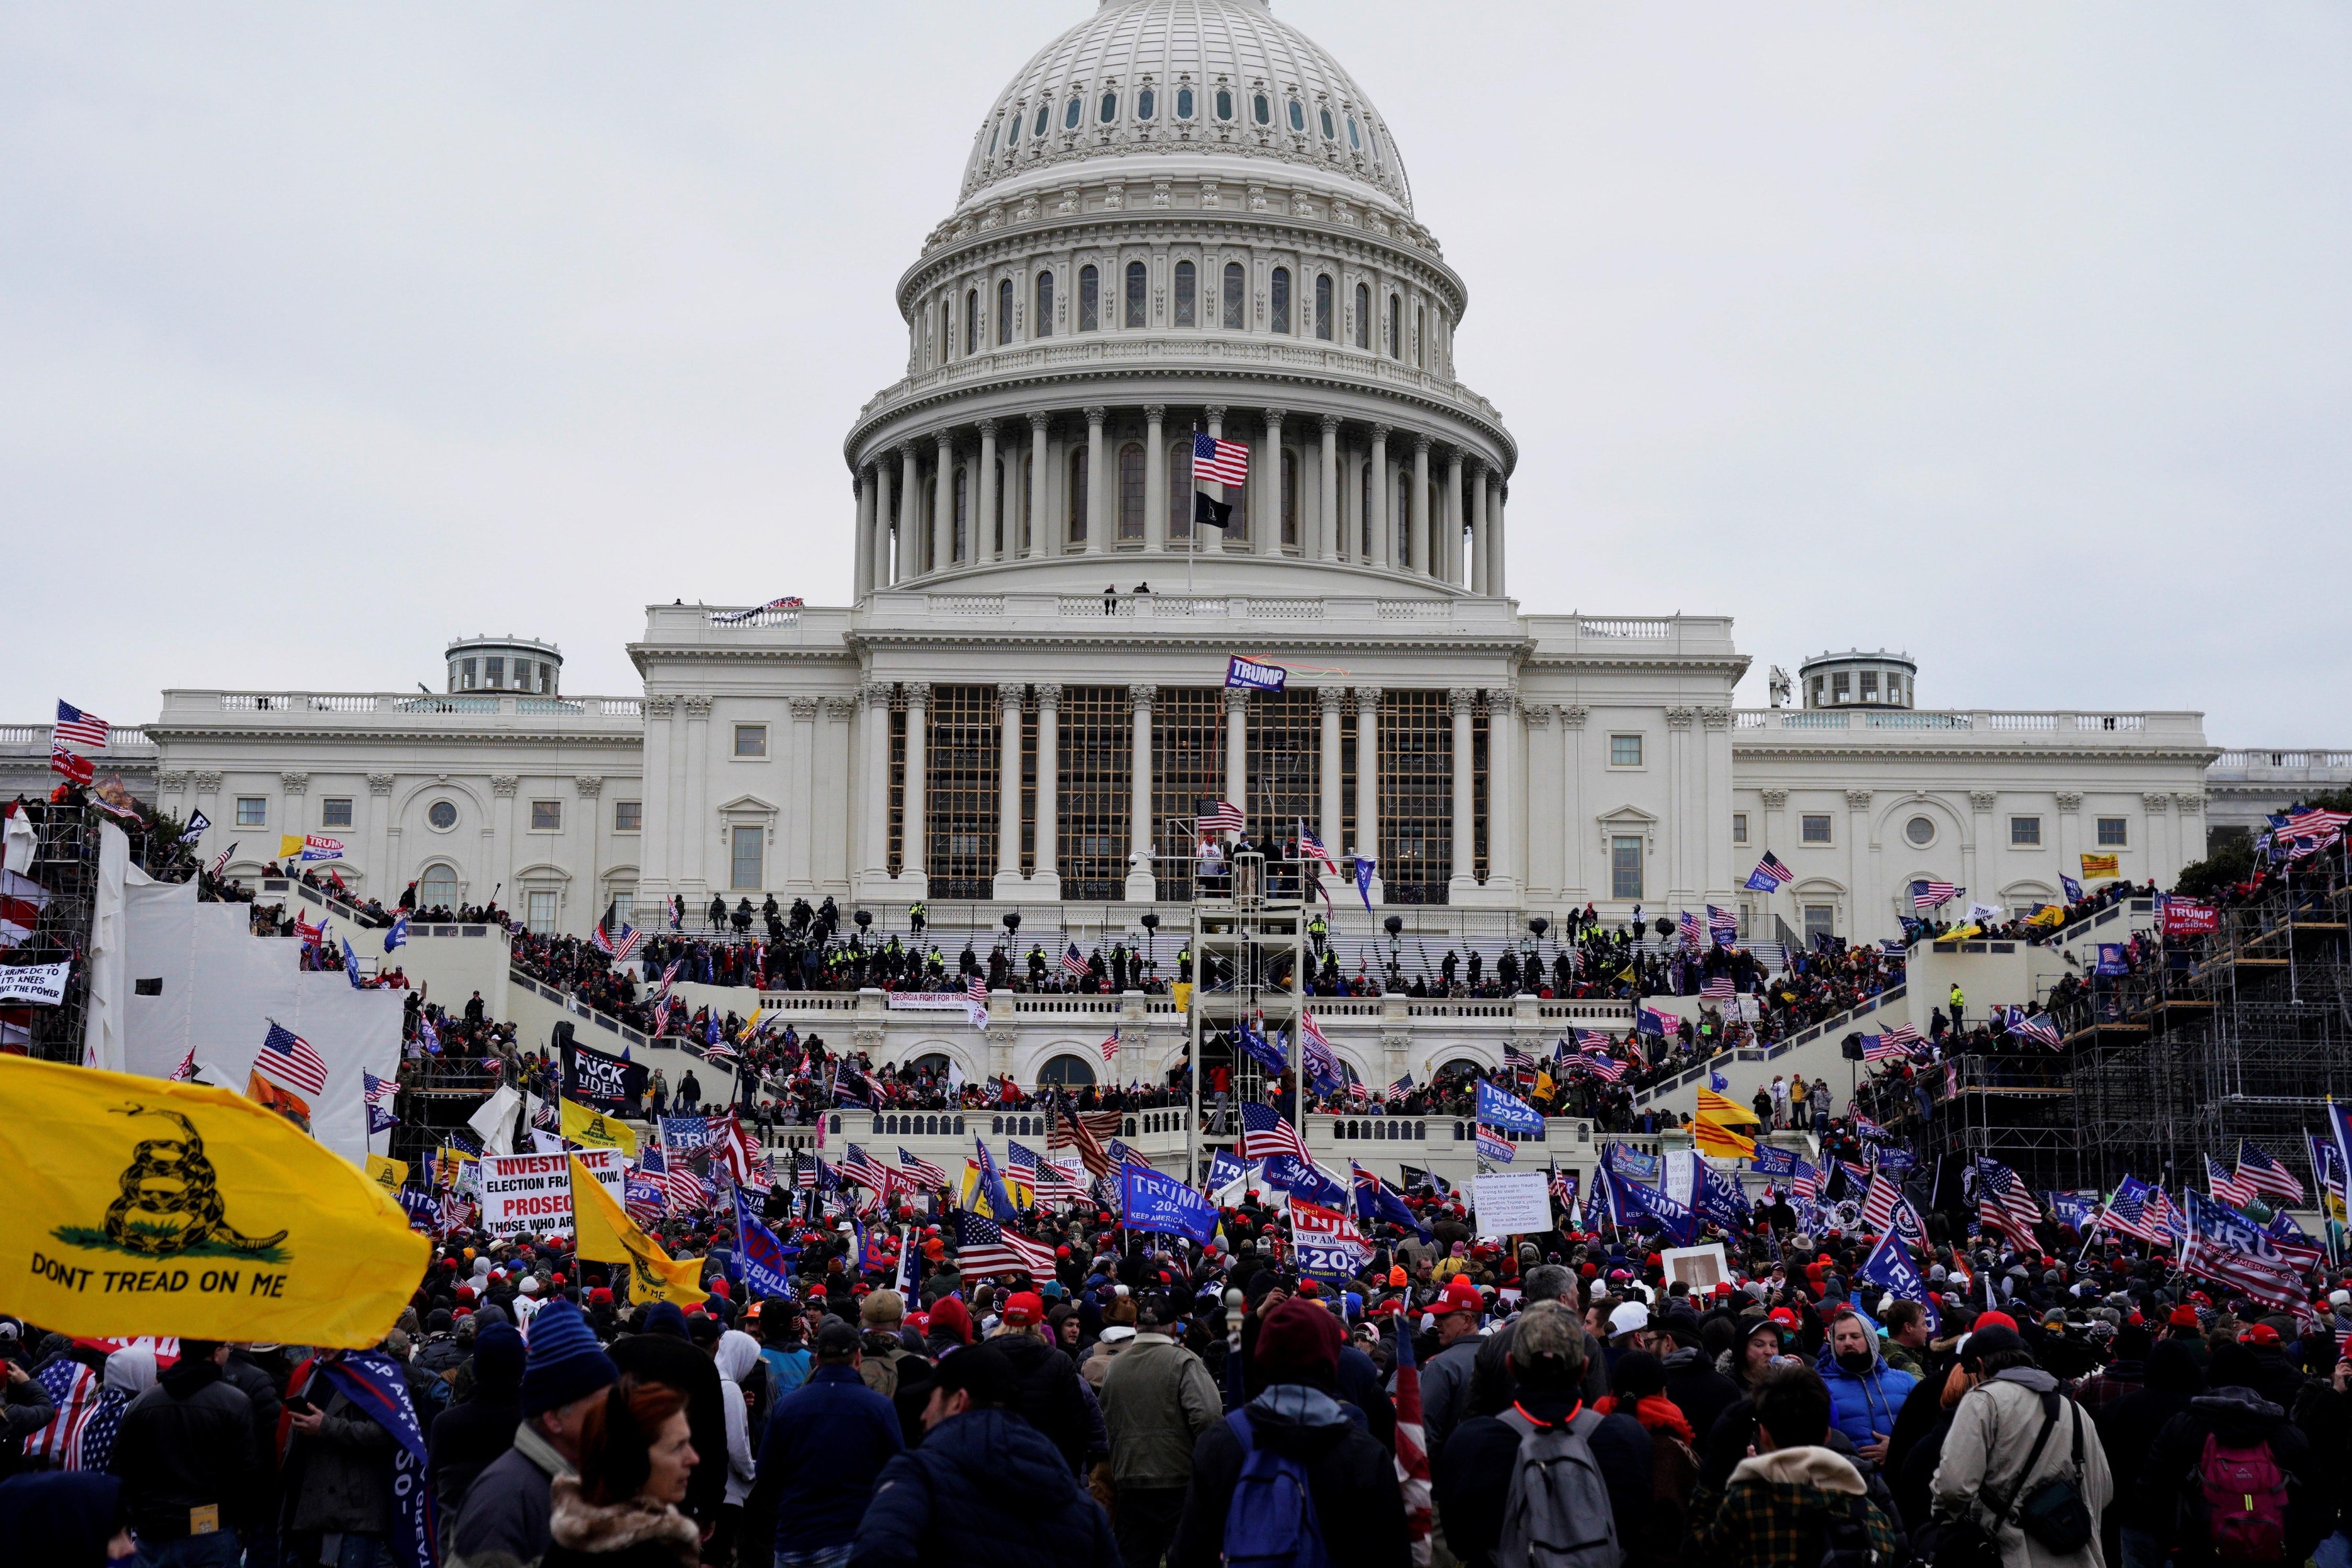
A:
[2228,1188]
[1218,462]
[1266,1135]
[2230,1249]
[1928,895]
[2257,1171]
[2128,1213]
[1084,1131]
[2005,1203]
[984,1247]
[287,1060]
[920,1174]
[75,727]
[1222,817]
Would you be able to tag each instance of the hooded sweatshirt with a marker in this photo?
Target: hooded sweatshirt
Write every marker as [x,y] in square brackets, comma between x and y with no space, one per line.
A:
[1352,1477]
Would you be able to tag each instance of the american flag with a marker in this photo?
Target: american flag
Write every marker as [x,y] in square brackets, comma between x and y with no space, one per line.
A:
[2230,1249]
[1052,1183]
[1903,1035]
[2005,1203]
[1311,849]
[736,617]
[646,1199]
[1073,961]
[287,1060]
[1689,924]
[721,1050]
[2127,1213]
[2313,824]
[746,1162]
[1084,1131]
[2226,1187]
[1109,1047]
[1357,1093]
[1878,1202]
[1266,1135]
[2257,1171]
[1880,1047]
[1219,462]
[75,727]
[806,1176]
[2292,1243]
[1513,1055]
[1601,1065]
[2040,1029]
[849,1086]
[1928,895]
[1591,1039]
[74,1389]
[1411,1448]
[621,947]
[1719,988]
[1722,925]
[1402,1088]
[1223,817]
[985,1247]
[1769,874]
[1805,1184]
[863,1168]
[376,1093]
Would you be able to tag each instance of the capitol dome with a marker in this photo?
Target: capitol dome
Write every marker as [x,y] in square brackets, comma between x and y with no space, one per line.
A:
[1174,80]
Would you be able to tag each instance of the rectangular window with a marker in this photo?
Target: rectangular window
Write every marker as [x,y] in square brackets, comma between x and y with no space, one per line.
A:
[628,817]
[2024,832]
[1624,750]
[751,739]
[539,913]
[470,673]
[962,758]
[2112,835]
[1093,773]
[1869,685]
[1416,783]
[335,811]
[252,811]
[1739,827]
[1820,920]
[546,815]
[494,671]
[1839,687]
[1815,827]
[1625,866]
[747,865]
[1089,300]
[1188,762]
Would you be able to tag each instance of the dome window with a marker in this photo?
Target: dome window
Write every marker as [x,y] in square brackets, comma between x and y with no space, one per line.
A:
[1042,324]
[1280,292]
[1089,298]
[1224,103]
[992,140]
[1237,288]
[1330,131]
[1183,103]
[1262,108]
[1185,276]
[1146,103]
[1013,131]
[1353,139]
[1070,115]
[1042,112]
[1110,110]
[1298,116]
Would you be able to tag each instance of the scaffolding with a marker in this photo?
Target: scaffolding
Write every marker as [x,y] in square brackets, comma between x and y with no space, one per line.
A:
[1249,958]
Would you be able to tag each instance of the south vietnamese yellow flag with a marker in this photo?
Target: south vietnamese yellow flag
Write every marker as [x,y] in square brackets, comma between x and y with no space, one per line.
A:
[1714,1138]
[137,1206]
[594,1130]
[1722,1109]
[607,1235]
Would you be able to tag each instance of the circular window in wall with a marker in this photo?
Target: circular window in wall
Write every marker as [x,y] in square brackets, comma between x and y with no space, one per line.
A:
[442,816]
[1070,1070]
[1920,830]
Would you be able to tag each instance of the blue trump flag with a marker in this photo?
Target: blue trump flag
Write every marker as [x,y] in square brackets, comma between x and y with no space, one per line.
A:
[759,1257]
[1300,1180]
[1365,866]
[1224,1170]
[398,935]
[1641,1201]
[1265,1051]
[1506,1111]
[1772,1161]
[1890,1265]
[1149,1201]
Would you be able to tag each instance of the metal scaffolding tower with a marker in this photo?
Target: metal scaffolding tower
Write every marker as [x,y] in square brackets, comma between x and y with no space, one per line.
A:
[1249,966]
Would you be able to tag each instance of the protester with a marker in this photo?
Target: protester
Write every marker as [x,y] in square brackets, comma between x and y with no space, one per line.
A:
[474,1431]
[65,1520]
[2012,1432]
[825,1446]
[185,1452]
[1157,1399]
[565,1376]
[621,1509]
[1052,1399]
[1865,1392]
[1794,1500]
[2230,1478]
[663,1351]
[2135,1527]
[737,1357]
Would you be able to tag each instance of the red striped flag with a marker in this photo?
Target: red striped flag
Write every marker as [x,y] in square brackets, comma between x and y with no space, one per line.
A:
[75,727]
[1412,1446]
[1218,462]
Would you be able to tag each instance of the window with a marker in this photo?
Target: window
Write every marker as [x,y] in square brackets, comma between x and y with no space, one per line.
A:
[1298,116]
[1323,305]
[971,321]
[1870,686]
[1070,113]
[437,889]
[1739,827]
[1920,830]
[1280,295]
[1363,316]
[1396,325]
[335,811]
[1144,104]
[1131,492]
[1624,750]
[1331,133]
[1186,277]
[959,540]
[1004,311]
[1013,131]
[494,671]
[1353,139]
[1137,292]
[469,675]
[1813,827]
[1183,103]
[1840,687]
[546,815]
[1079,495]
[1236,286]
[625,905]
[1042,324]
[1821,921]
[2025,832]
[1109,110]
[1224,103]
[252,811]
[1089,298]
[993,137]
[441,815]
[1179,493]
[1290,497]
[2112,835]
[539,911]
[746,860]
[1042,112]
[1625,866]
[751,739]
[1071,1072]
[1261,109]
[628,817]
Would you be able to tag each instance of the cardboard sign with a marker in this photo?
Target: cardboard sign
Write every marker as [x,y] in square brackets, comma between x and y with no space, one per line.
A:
[1511,1203]
[530,1194]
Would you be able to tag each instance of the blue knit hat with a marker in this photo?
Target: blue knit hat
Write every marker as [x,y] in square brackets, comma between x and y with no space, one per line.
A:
[565,1363]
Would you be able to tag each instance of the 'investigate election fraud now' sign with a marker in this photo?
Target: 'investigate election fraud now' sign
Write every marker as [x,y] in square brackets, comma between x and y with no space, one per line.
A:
[530,1194]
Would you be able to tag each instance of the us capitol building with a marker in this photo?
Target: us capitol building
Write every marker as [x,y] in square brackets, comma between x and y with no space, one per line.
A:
[1180,216]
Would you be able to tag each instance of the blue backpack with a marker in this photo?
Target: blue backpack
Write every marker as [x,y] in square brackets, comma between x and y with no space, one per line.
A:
[1271,1521]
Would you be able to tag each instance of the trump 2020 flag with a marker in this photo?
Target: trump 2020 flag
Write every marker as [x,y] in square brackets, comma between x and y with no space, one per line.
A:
[1890,1265]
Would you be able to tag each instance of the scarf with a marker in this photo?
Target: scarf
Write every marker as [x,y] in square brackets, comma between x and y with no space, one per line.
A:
[1655,1412]
[373,1380]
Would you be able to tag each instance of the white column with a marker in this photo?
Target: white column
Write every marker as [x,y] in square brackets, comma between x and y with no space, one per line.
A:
[1155,479]
[1453,573]
[1494,583]
[1327,521]
[1009,695]
[861,553]
[796,827]
[1368,771]
[1422,561]
[1098,523]
[983,485]
[1382,530]
[1046,880]
[1462,878]
[1267,482]
[1141,884]
[698,804]
[943,506]
[1503,793]
[883,519]
[1481,562]
[875,873]
[1574,889]
[1238,747]
[910,515]
[657,866]
[1880,918]
[1329,698]
[1034,507]
[915,831]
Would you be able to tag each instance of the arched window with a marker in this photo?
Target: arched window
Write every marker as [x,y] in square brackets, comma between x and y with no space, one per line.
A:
[1089,298]
[1224,103]
[1290,497]
[437,888]
[959,545]
[996,545]
[1364,513]
[1353,139]
[1179,489]
[947,328]
[1401,514]
[1013,131]
[1298,116]
[1145,103]
[1077,503]
[1039,128]
[1071,112]
[1136,293]
[1130,492]
[1419,337]
[1396,325]
[1236,292]
[992,136]
[1323,305]
[1363,316]
[1183,103]
[1261,110]
[1004,311]
[1070,1071]
[1042,324]
[1331,133]
[1279,294]
[971,321]
[1185,276]
[1109,108]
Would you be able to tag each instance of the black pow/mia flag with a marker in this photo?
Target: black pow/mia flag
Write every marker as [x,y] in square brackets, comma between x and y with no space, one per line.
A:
[602,1082]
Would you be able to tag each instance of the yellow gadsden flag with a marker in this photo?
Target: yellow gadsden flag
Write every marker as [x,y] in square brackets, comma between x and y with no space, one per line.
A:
[1720,1108]
[594,1130]
[137,1206]
[607,1235]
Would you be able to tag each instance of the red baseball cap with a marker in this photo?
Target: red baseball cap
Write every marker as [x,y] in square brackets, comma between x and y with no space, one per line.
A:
[1023,1307]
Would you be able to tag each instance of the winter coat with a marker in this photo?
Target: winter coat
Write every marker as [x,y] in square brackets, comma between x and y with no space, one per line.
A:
[1050,1398]
[671,1358]
[1770,1511]
[1984,1456]
[1157,1399]
[1446,1390]
[465,1439]
[2127,1428]
[341,1476]
[825,1446]
[633,1534]
[1698,1390]
[185,1443]
[1471,1476]
[2235,1418]
[1352,1477]
[1864,1404]
[504,1520]
[986,1490]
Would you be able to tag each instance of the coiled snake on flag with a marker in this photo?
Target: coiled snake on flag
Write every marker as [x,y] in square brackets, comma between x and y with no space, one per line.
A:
[171,1177]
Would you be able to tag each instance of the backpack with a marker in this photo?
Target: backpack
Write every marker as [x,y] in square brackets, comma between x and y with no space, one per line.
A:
[2241,1498]
[1271,1520]
[1557,1513]
[1845,1537]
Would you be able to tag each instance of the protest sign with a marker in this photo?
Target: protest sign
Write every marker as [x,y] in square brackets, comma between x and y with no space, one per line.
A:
[530,1194]
[1511,1203]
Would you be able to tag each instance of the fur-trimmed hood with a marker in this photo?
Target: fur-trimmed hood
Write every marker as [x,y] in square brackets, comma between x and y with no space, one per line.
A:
[635,1527]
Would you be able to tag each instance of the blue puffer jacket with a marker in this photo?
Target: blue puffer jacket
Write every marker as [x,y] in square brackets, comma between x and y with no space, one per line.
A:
[1862,1406]
[985,1490]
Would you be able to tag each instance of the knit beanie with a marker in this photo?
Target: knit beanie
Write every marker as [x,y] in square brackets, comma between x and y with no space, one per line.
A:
[564,1361]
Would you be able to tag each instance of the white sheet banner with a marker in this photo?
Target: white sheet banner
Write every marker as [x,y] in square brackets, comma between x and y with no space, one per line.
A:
[530,1194]
[41,985]
[928,1001]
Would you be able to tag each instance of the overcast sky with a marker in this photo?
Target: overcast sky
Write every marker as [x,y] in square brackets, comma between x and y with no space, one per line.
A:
[2015,337]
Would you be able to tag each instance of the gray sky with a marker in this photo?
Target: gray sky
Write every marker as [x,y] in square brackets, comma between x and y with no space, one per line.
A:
[2016,337]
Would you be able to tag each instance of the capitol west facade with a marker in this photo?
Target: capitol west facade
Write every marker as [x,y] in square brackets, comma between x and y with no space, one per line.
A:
[1182,217]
